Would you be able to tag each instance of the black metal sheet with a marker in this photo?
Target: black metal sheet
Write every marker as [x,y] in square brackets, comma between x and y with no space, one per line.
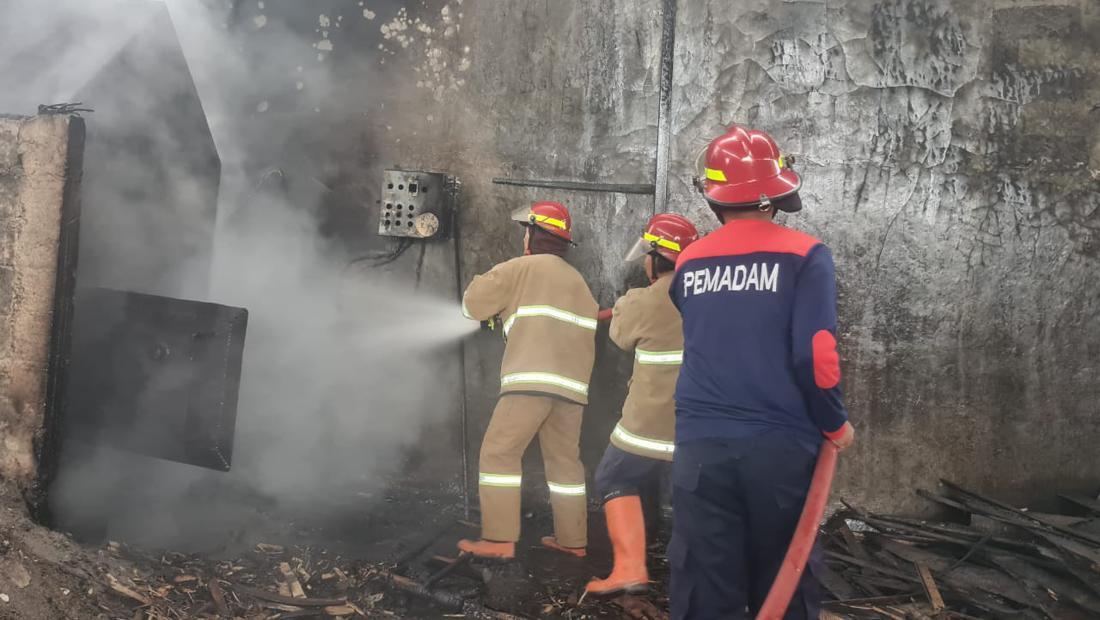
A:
[155,375]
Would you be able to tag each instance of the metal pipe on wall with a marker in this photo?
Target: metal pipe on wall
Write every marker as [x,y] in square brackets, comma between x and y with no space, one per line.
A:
[664,109]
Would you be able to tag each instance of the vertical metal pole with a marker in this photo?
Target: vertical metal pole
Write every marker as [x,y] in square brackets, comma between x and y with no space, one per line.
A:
[461,364]
[664,111]
[465,438]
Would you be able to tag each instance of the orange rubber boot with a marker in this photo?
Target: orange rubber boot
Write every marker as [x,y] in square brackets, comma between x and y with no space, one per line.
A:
[626,527]
[488,549]
[552,543]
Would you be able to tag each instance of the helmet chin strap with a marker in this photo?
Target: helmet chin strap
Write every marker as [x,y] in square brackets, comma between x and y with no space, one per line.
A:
[765,203]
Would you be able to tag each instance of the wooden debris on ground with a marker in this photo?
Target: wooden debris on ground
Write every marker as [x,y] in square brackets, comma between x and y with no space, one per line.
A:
[984,559]
[640,608]
[993,561]
[290,581]
[126,591]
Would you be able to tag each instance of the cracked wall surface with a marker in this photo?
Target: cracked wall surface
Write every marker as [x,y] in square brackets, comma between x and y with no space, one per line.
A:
[528,90]
[950,150]
[951,156]
[39,173]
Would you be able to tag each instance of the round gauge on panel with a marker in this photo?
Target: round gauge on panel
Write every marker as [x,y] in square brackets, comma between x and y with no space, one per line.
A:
[427,224]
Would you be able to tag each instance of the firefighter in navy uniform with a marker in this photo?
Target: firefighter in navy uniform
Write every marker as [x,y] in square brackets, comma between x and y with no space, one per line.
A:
[550,325]
[643,321]
[758,389]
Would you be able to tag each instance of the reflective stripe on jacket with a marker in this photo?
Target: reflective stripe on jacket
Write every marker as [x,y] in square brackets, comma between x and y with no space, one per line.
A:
[549,320]
[646,321]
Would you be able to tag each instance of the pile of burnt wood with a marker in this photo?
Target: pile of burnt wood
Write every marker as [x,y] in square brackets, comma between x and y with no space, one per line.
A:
[986,559]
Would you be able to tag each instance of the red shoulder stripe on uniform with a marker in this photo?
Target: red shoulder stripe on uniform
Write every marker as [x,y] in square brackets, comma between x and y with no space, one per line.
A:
[741,237]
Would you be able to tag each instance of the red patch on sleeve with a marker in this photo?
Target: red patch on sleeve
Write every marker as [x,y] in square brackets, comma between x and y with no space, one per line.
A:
[826,360]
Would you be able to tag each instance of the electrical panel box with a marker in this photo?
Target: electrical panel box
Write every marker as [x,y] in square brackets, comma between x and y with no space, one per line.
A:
[417,204]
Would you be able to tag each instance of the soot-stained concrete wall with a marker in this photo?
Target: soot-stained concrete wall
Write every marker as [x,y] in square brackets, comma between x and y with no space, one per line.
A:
[570,92]
[545,90]
[479,90]
[951,154]
[40,171]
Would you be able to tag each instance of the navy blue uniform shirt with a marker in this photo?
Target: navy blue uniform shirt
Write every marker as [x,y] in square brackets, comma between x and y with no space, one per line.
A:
[758,302]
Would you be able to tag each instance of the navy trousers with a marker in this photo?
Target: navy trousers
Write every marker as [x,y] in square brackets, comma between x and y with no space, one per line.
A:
[735,504]
[622,473]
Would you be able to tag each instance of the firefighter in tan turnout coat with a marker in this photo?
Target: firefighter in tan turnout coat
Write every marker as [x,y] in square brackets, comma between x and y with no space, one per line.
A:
[550,326]
[643,321]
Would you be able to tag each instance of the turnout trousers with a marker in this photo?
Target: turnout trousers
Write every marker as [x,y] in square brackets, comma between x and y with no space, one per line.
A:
[517,419]
[736,503]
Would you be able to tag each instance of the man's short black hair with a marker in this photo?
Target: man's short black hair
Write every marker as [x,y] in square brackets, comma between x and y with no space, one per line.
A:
[662,265]
[544,242]
[791,203]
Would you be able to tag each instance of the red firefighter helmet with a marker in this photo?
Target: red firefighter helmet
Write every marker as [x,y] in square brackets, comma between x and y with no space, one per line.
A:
[666,234]
[552,217]
[744,168]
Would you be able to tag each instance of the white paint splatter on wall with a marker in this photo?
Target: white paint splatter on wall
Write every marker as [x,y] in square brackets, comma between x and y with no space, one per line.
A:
[437,65]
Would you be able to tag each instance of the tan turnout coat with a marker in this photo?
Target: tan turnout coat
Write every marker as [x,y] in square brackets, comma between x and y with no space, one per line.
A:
[645,321]
[549,319]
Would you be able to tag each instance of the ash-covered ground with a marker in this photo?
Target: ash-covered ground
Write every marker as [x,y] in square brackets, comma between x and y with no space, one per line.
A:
[368,556]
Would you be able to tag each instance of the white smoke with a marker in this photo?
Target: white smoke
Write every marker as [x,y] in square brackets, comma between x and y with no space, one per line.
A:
[346,362]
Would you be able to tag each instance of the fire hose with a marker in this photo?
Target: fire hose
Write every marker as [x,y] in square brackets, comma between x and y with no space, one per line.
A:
[802,543]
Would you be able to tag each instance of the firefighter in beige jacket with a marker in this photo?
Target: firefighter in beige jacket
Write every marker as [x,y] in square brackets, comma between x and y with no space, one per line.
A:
[646,322]
[550,326]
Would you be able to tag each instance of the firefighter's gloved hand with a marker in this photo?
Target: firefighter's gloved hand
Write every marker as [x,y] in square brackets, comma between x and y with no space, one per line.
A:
[843,437]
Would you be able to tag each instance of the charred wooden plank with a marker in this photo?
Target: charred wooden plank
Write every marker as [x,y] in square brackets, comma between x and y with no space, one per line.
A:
[1001,511]
[445,600]
[877,600]
[218,597]
[462,560]
[970,552]
[943,501]
[1083,501]
[1061,587]
[856,549]
[979,600]
[885,570]
[948,532]
[1085,571]
[835,583]
[964,577]
[435,535]
[880,583]
[1077,548]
